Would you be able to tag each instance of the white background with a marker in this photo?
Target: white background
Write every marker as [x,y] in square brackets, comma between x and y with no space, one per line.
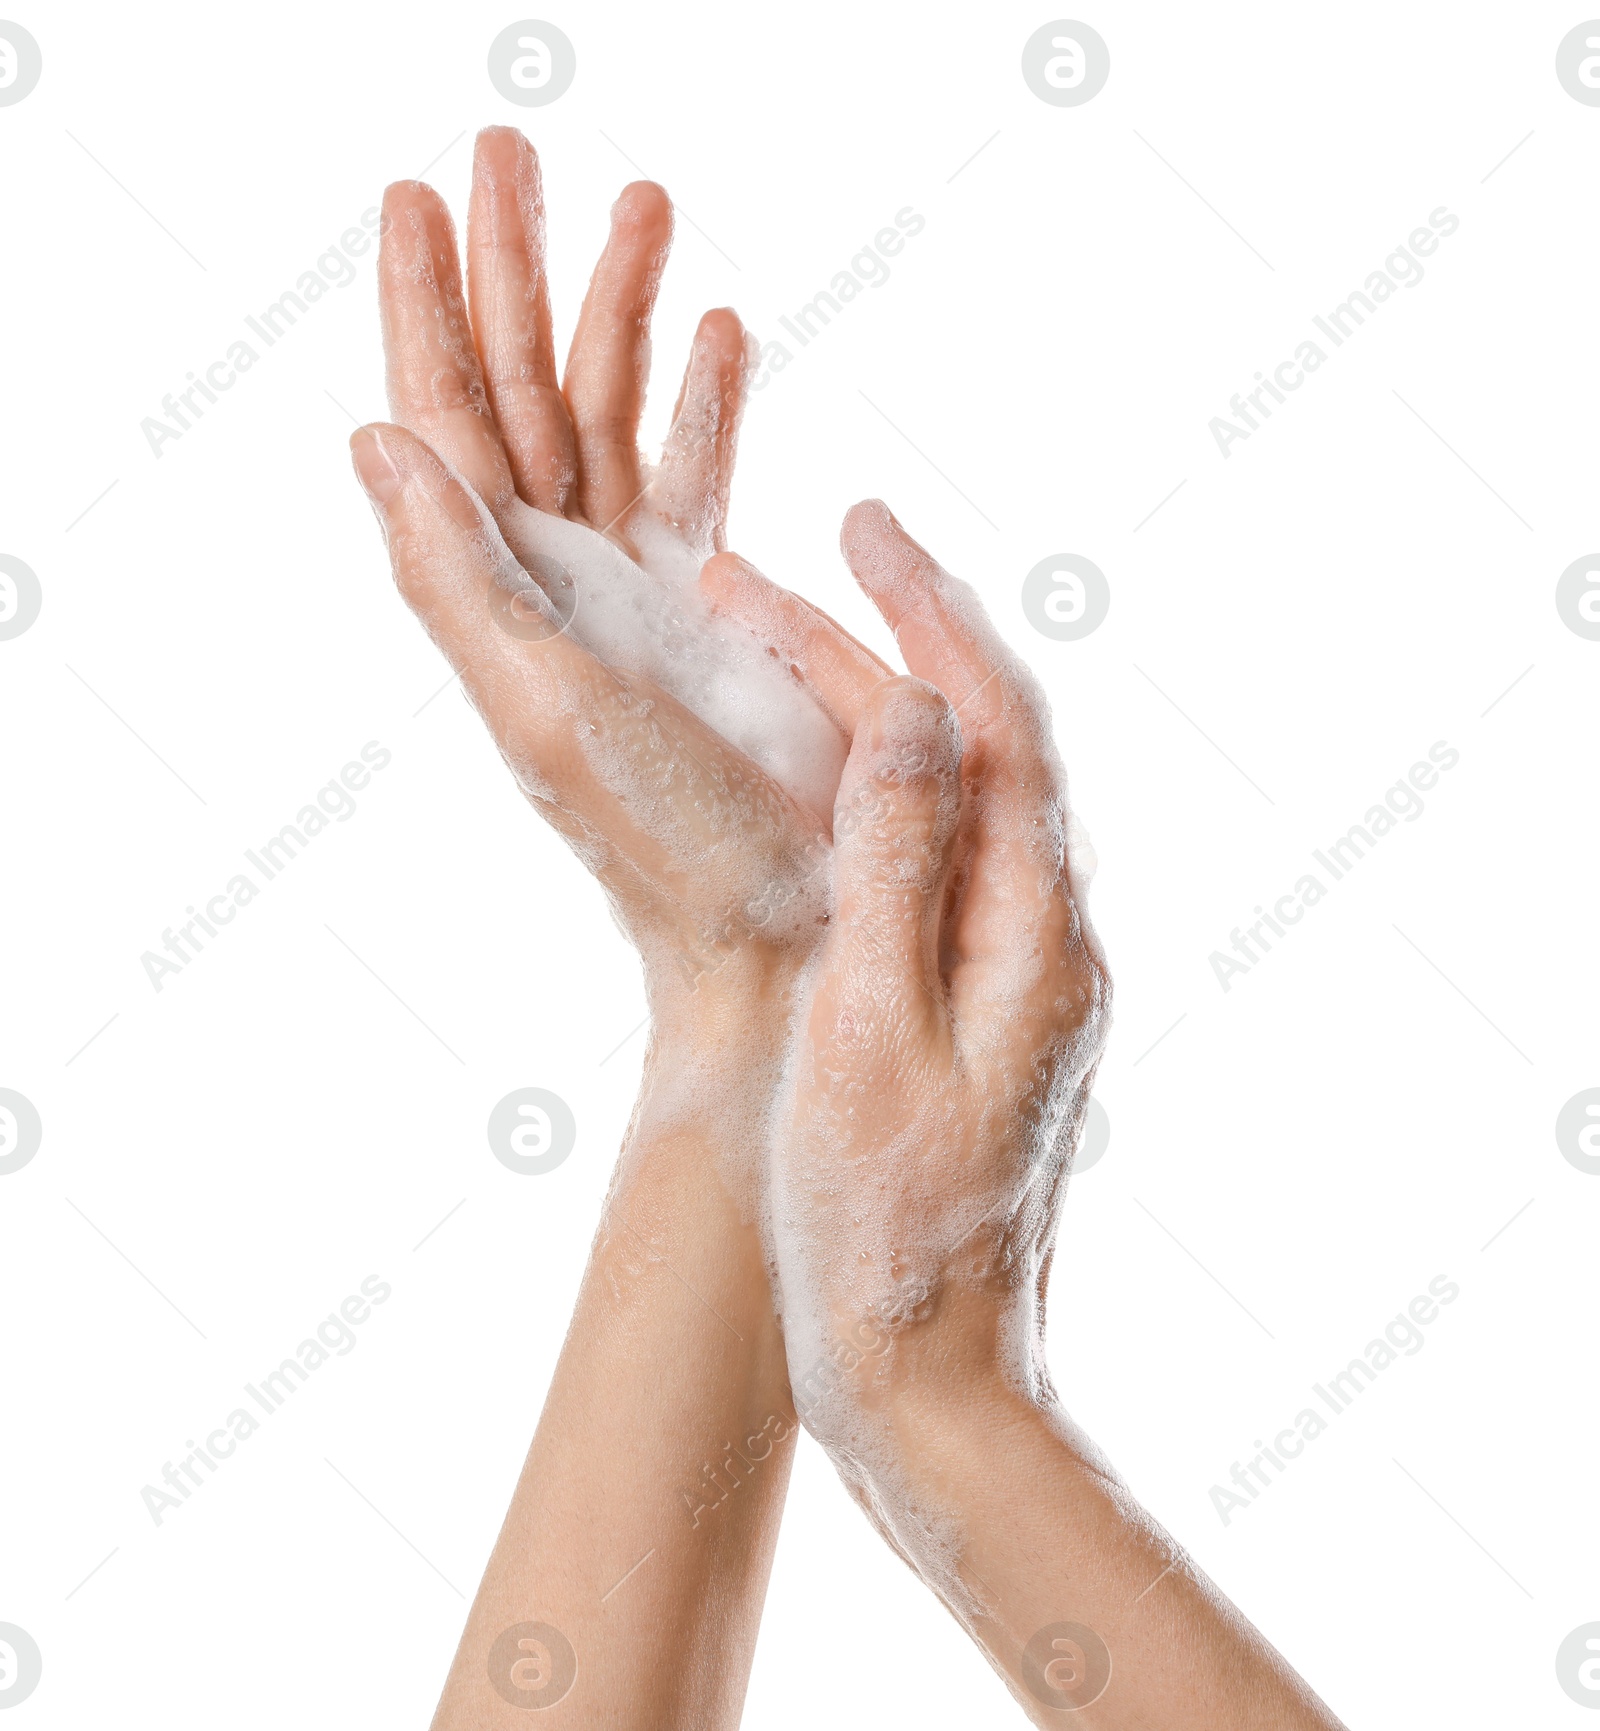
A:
[1339,593]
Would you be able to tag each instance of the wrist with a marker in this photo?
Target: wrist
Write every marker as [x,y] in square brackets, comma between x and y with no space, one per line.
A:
[717,1044]
[737,1007]
[915,1420]
[713,1061]
[967,1360]
[976,1340]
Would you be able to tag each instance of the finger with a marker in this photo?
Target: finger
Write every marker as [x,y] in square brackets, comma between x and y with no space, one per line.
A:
[509,294]
[1013,877]
[947,638]
[840,672]
[610,358]
[456,573]
[691,484]
[893,825]
[435,383]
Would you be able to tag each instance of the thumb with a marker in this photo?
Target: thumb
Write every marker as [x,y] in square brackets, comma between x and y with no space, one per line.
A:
[893,823]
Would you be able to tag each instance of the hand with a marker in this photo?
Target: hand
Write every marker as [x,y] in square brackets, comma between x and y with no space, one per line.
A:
[959,1009]
[528,508]
[942,1062]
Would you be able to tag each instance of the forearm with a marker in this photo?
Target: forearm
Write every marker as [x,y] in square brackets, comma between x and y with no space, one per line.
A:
[644,1521]
[1050,1536]
[1078,1597]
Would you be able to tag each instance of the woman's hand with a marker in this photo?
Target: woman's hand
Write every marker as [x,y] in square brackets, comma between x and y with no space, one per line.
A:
[958,1010]
[557,572]
[943,1058]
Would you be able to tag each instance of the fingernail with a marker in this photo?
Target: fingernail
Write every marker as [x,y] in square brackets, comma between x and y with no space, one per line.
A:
[374,467]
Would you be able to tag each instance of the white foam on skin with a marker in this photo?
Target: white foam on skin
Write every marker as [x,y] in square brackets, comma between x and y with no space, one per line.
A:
[1082,859]
[649,618]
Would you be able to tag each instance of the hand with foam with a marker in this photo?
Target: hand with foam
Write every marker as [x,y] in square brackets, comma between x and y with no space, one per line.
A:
[942,1056]
[956,1013]
[560,574]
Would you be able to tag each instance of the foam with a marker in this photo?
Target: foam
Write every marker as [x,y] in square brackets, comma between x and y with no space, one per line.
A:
[1081,856]
[649,618]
